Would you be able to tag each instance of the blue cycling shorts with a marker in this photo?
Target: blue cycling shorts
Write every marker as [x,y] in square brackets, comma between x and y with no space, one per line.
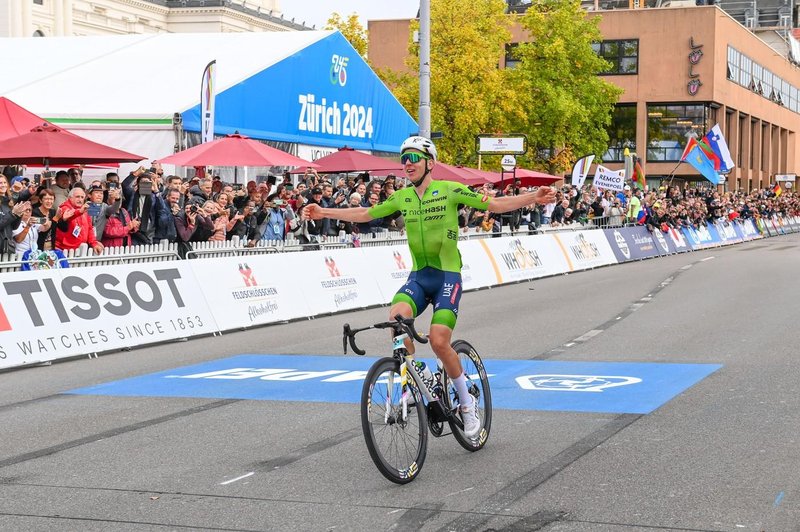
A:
[430,285]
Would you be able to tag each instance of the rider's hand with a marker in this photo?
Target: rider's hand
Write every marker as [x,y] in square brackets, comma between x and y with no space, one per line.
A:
[544,195]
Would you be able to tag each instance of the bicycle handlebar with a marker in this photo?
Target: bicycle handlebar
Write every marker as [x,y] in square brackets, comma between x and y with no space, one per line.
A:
[399,325]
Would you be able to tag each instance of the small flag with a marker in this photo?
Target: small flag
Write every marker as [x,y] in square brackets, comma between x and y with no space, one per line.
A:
[207,98]
[641,217]
[638,178]
[777,189]
[716,141]
[580,169]
[697,158]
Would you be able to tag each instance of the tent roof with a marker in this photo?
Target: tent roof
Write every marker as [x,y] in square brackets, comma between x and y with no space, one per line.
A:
[134,76]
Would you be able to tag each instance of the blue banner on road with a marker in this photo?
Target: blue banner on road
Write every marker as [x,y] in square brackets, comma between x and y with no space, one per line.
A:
[610,387]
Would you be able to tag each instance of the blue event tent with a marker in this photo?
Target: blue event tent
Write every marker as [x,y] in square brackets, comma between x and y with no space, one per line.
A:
[309,89]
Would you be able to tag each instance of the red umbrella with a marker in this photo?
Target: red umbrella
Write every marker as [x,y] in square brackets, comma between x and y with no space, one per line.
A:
[446,172]
[234,150]
[348,160]
[16,121]
[532,178]
[50,145]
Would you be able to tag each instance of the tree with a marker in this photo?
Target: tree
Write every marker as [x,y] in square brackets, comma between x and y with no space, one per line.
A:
[569,106]
[469,93]
[352,30]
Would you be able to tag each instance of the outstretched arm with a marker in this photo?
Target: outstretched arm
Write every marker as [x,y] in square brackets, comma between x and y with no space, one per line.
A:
[512,203]
[357,214]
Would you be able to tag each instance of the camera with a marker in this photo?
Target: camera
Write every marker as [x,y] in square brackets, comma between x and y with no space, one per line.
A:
[193,209]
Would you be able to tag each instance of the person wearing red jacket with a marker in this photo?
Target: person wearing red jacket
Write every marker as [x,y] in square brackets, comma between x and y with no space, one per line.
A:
[74,226]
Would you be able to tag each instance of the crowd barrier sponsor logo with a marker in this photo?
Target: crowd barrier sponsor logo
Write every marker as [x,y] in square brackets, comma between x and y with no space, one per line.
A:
[518,257]
[622,245]
[247,275]
[659,237]
[584,250]
[61,313]
[677,239]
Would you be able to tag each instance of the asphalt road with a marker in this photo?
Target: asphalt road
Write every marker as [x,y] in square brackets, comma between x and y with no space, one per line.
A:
[723,455]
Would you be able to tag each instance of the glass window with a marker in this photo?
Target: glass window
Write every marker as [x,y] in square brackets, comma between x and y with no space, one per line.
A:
[512,59]
[623,56]
[669,128]
[621,133]
[745,75]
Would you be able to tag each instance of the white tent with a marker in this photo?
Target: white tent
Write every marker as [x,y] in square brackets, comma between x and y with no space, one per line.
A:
[304,88]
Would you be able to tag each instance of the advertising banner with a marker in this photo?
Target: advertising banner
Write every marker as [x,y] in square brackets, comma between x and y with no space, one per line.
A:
[390,266]
[585,249]
[248,291]
[323,95]
[334,280]
[749,230]
[50,314]
[477,270]
[525,257]
[631,243]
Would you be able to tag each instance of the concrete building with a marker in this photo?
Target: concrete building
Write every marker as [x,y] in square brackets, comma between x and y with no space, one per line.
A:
[63,18]
[683,69]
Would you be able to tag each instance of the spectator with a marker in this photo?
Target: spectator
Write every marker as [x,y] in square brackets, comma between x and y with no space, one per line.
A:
[26,235]
[10,216]
[615,213]
[168,231]
[247,227]
[61,187]
[193,225]
[46,209]
[146,205]
[74,227]
[99,211]
[118,229]
[559,215]
[201,193]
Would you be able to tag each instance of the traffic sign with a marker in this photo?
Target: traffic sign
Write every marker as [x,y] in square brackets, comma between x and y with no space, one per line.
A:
[508,163]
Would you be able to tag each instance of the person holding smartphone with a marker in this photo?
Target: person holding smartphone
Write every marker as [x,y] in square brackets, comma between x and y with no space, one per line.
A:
[26,235]
[145,205]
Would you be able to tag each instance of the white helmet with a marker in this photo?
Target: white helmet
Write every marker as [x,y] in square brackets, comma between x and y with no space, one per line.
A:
[420,144]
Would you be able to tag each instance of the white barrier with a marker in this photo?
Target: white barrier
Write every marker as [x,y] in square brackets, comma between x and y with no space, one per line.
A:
[45,315]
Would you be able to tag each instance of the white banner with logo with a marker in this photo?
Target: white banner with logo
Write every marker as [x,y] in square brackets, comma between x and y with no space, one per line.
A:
[525,257]
[476,270]
[608,179]
[45,315]
[390,266]
[334,280]
[586,249]
[254,290]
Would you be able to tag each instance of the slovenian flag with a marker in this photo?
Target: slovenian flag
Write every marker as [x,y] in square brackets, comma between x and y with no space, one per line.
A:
[715,140]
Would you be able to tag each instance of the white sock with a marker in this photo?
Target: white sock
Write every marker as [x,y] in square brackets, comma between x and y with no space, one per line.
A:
[464,398]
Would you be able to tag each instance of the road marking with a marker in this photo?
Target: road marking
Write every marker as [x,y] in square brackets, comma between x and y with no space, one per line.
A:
[707,258]
[231,481]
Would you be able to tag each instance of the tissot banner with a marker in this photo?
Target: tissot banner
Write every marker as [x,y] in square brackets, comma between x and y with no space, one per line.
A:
[323,95]
[50,314]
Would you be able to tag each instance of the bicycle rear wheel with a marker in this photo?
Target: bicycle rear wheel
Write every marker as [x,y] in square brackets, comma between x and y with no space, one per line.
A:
[396,445]
[478,386]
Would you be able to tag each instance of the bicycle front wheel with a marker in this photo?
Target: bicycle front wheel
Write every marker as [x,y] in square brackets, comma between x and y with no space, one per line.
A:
[396,436]
[478,386]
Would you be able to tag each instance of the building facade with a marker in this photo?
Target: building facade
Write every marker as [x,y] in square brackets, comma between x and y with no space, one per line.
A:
[61,18]
[682,69]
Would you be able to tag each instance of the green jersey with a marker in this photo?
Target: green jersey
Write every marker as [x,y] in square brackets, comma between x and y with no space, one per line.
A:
[432,221]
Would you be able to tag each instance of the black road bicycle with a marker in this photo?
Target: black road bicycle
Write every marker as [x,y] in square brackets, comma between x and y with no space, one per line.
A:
[397,411]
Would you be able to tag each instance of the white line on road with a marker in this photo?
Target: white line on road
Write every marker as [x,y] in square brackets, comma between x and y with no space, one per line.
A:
[231,481]
[462,491]
[707,258]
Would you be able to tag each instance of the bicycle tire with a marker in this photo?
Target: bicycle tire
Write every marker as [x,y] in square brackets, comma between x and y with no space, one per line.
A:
[478,385]
[406,441]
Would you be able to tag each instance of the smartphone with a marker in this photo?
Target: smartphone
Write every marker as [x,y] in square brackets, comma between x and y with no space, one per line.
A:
[145,188]
[37,179]
[94,209]
[112,185]
[37,221]
[278,202]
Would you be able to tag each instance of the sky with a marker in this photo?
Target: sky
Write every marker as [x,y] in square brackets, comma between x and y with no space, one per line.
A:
[318,11]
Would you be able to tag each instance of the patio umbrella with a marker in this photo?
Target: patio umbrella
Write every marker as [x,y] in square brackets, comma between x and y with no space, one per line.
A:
[532,178]
[15,120]
[349,160]
[446,172]
[47,145]
[234,150]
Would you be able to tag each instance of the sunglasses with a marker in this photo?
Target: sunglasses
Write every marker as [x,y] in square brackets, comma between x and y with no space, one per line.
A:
[412,158]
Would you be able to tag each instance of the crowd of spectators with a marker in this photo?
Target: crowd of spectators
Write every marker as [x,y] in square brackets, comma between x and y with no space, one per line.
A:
[146,207]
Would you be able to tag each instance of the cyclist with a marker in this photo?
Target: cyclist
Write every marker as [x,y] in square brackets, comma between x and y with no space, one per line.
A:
[430,211]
